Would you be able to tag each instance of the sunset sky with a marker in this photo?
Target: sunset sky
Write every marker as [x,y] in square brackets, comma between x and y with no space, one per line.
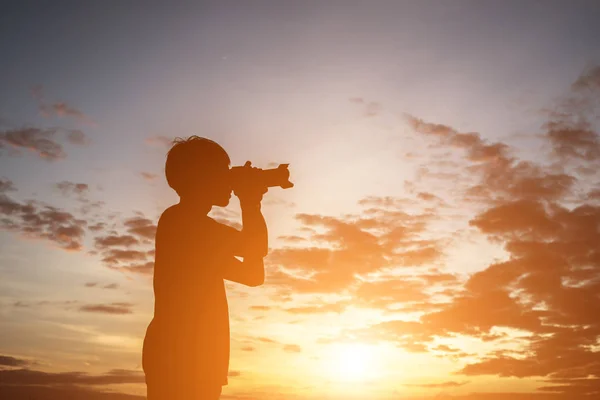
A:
[443,236]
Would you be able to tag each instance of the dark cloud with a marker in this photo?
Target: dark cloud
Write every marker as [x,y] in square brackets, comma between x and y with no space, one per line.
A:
[145,268]
[97,227]
[34,220]
[6,185]
[39,141]
[66,304]
[31,377]
[30,392]
[128,252]
[142,227]
[42,142]
[544,297]
[589,80]
[68,188]
[112,308]
[502,176]
[117,256]
[104,242]
[111,286]
[574,139]
[77,137]
[98,285]
[8,361]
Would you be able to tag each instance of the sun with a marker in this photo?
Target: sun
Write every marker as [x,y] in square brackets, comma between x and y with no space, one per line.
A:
[351,362]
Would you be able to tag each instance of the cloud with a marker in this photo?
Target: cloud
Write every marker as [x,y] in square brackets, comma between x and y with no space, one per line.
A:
[589,80]
[6,185]
[62,109]
[370,108]
[125,252]
[32,377]
[292,238]
[261,308]
[150,177]
[60,393]
[34,220]
[292,348]
[130,252]
[343,248]
[77,137]
[142,268]
[142,227]
[104,242]
[319,308]
[8,361]
[42,142]
[98,285]
[538,308]
[449,384]
[112,308]
[58,108]
[574,140]
[67,304]
[39,141]
[502,176]
[111,286]
[68,188]
[266,340]
[227,217]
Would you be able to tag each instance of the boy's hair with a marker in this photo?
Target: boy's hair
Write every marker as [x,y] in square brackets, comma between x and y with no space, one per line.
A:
[188,154]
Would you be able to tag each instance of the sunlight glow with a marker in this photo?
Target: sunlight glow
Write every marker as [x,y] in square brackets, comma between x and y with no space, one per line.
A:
[351,362]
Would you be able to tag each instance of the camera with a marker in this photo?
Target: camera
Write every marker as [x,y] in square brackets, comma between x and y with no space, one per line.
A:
[243,175]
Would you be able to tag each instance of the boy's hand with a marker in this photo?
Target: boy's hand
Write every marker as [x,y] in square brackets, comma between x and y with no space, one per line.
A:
[250,194]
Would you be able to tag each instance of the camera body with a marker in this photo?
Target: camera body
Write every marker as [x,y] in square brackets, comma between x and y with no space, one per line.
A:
[244,176]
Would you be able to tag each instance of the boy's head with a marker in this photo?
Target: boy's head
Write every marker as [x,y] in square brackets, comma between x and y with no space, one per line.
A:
[198,168]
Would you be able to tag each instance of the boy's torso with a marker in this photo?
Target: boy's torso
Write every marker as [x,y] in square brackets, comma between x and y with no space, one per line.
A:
[191,320]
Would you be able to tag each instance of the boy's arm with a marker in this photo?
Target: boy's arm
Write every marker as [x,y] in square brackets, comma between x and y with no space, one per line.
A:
[254,235]
[253,242]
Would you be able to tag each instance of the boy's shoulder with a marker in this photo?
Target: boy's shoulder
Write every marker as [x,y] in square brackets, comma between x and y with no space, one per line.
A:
[176,217]
[169,215]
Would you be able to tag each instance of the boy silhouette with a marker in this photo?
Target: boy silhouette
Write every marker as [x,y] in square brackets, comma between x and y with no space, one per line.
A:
[186,348]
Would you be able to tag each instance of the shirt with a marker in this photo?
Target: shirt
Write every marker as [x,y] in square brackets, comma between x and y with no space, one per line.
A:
[189,334]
